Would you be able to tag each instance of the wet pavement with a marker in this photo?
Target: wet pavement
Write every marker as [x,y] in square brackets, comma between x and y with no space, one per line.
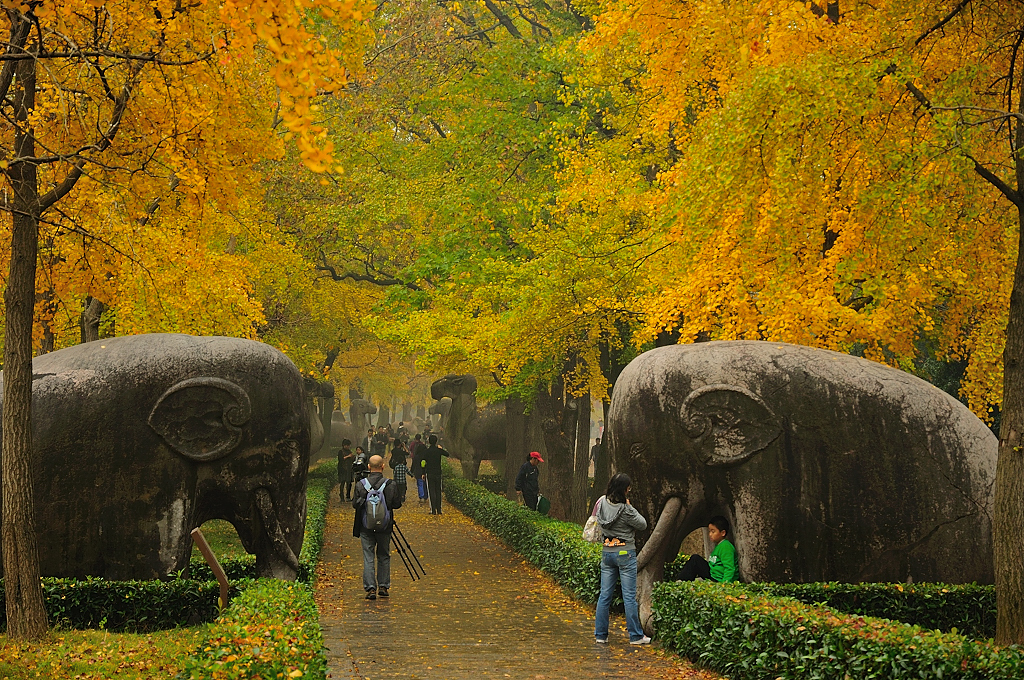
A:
[481,611]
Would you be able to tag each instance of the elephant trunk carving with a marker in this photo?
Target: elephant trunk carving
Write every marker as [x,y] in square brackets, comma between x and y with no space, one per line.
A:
[281,562]
[650,563]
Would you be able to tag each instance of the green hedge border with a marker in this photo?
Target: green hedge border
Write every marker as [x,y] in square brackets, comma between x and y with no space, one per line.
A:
[746,636]
[556,547]
[968,609]
[271,630]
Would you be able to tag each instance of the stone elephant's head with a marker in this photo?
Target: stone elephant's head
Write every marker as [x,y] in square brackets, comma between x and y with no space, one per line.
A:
[453,386]
[140,439]
[440,407]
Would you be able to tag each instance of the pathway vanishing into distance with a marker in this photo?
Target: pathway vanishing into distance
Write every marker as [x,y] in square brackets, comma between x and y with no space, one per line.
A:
[480,612]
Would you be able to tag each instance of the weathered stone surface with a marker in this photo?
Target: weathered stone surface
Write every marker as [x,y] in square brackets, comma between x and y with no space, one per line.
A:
[830,467]
[140,439]
[470,434]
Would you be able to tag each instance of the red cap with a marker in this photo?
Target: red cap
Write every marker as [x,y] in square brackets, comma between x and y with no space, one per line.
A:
[535,454]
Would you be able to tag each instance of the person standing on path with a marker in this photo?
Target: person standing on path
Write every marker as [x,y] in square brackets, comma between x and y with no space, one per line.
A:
[619,522]
[432,467]
[345,479]
[416,449]
[399,468]
[528,480]
[376,541]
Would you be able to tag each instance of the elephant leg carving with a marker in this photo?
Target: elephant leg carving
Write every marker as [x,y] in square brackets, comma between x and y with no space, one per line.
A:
[650,563]
[285,557]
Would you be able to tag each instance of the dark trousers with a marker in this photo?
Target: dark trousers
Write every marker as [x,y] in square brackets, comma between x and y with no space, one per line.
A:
[434,493]
[376,544]
[530,500]
[346,491]
[695,567]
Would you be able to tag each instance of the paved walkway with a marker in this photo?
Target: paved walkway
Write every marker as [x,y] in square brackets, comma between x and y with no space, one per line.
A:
[481,612]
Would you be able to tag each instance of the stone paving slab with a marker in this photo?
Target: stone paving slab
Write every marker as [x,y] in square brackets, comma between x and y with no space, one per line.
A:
[480,612]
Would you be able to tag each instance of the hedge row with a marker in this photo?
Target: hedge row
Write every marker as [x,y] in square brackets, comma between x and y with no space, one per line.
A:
[271,630]
[556,547]
[144,606]
[727,628]
[966,609]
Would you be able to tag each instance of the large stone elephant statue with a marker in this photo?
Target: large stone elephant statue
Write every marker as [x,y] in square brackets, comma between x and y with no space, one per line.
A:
[137,440]
[828,466]
[470,434]
[353,429]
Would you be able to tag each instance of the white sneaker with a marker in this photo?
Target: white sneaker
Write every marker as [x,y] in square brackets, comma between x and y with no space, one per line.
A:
[600,641]
[642,641]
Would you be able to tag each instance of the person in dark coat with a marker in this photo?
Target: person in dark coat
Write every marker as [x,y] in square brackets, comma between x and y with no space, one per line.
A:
[527,481]
[376,582]
[416,449]
[345,479]
[432,468]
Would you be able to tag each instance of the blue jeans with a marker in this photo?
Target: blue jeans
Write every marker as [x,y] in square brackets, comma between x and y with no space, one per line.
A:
[618,565]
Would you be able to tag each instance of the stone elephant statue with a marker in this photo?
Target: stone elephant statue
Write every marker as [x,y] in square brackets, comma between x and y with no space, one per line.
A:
[359,412]
[829,467]
[470,434]
[137,440]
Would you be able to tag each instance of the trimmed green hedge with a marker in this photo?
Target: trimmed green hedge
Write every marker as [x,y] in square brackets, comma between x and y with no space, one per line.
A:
[556,547]
[271,630]
[727,628]
[969,610]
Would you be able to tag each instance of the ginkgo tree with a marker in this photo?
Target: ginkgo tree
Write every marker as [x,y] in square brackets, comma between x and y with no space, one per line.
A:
[154,103]
[844,175]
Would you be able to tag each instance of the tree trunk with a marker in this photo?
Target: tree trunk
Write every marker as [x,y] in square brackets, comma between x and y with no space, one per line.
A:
[383,415]
[515,443]
[602,462]
[89,321]
[1008,521]
[579,507]
[26,613]
[559,413]
[406,413]
[325,410]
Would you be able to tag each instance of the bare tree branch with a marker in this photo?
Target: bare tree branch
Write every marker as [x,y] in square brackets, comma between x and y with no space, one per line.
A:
[382,281]
[949,17]
[503,19]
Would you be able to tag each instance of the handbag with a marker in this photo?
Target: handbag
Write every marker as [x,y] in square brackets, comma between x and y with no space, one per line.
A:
[592,530]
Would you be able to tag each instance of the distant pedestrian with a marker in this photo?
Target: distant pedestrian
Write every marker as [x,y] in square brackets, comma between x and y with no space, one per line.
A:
[399,468]
[359,465]
[418,464]
[380,442]
[528,480]
[345,479]
[432,468]
[376,498]
[595,450]
[619,522]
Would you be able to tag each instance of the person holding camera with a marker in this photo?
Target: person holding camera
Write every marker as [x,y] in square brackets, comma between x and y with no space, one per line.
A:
[376,498]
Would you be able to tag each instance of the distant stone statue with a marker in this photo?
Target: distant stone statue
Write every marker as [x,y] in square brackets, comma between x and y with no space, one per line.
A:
[470,434]
[138,440]
[829,467]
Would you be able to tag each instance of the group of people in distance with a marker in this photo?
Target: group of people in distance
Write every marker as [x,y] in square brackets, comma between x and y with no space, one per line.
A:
[375,497]
[619,522]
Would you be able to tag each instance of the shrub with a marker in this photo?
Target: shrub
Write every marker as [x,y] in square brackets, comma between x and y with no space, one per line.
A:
[270,630]
[556,547]
[966,609]
[727,628]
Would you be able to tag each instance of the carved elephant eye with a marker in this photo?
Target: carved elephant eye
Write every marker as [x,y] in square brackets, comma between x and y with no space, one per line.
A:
[730,423]
[201,418]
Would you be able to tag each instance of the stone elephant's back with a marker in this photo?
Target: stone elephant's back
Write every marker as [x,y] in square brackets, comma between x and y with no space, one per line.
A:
[863,450]
[106,481]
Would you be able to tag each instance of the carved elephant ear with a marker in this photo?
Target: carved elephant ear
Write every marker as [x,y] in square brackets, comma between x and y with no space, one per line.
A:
[201,418]
[730,423]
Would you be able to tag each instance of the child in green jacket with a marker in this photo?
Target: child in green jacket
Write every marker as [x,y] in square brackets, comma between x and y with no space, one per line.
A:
[721,565]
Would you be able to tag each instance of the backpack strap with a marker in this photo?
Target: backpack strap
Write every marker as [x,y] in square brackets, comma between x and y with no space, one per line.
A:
[366,484]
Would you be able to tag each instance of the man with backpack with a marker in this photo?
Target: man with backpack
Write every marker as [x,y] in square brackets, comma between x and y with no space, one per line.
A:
[376,498]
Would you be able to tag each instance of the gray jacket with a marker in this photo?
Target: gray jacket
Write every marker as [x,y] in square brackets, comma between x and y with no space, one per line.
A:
[620,520]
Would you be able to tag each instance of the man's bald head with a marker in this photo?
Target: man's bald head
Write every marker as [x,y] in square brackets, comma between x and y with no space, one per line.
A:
[376,464]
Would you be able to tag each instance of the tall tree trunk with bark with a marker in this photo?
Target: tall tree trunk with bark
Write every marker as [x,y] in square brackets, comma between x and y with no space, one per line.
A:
[1008,521]
[558,412]
[89,322]
[515,443]
[579,506]
[26,613]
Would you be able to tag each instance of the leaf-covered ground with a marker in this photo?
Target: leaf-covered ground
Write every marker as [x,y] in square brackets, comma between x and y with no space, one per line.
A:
[481,612]
[89,654]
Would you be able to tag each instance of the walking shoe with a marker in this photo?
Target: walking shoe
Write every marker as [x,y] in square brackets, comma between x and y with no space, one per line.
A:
[383,592]
[371,594]
[601,641]
[642,641]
